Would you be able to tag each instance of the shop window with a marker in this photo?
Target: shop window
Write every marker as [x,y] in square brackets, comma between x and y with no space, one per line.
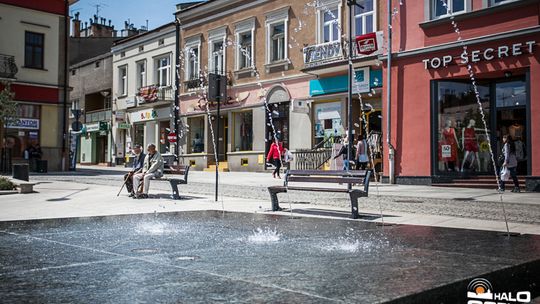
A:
[364,18]
[511,94]
[243,131]
[328,123]
[462,145]
[138,134]
[444,8]
[279,123]
[34,50]
[196,135]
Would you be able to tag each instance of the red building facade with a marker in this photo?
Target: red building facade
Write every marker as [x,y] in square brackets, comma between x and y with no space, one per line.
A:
[441,95]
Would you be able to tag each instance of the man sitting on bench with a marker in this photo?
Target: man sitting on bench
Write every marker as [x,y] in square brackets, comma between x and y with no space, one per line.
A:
[152,168]
[138,163]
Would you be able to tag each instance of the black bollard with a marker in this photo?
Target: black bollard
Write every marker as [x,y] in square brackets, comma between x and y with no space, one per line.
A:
[20,171]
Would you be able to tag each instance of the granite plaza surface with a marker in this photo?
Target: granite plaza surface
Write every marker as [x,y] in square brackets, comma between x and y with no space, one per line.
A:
[213,256]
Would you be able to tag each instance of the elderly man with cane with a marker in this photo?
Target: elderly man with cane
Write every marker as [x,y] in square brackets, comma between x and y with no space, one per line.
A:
[137,166]
[152,168]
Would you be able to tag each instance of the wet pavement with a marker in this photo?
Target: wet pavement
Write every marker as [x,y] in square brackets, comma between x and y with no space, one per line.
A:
[210,256]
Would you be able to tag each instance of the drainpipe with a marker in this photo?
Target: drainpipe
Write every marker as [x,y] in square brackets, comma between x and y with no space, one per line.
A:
[66,72]
[177,91]
[391,150]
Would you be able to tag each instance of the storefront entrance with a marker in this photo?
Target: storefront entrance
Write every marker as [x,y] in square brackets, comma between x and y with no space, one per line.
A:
[279,124]
[460,142]
[102,147]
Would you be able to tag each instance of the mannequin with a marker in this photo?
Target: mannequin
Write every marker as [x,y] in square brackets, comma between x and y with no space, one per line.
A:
[515,130]
[449,137]
[470,143]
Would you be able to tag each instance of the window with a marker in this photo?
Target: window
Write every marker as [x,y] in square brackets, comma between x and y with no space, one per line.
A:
[330,26]
[196,135]
[246,51]
[193,59]
[138,136]
[277,35]
[244,33]
[497,2]
[161,41]
[443,8]
[141,48]
[122,81]
[163,71]
[33,51]
[97,64]
[193,63]
[141,74]
[278,42]
[217,50]
[243,134]
[217,59]
[122,54]
[364,18]
[73,72]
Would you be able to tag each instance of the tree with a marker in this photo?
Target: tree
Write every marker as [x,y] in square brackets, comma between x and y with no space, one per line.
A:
[8,113]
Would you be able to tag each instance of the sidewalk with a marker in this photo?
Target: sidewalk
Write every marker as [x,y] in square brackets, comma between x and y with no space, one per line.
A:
[264,180]
[55,199]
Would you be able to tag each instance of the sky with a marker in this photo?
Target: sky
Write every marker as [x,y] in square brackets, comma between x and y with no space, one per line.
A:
[157,12]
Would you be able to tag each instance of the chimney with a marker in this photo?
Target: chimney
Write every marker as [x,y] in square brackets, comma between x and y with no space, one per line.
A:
[76,27]
[109,22]
[95,19]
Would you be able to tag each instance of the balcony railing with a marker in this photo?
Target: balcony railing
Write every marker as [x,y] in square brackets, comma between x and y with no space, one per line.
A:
[154,93]
[97,116]
[166,93]
[8,68]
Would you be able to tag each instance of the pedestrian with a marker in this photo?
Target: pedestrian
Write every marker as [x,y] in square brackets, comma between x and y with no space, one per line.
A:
[152,168]
[345,152]
[362,158]
[510,162]
[275,154]
[136,167]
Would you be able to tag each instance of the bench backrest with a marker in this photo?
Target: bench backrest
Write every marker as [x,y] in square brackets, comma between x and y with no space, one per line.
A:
[181,169]
[330,176]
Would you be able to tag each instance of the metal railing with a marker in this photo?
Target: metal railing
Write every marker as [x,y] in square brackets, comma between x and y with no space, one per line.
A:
[8,68]
[97,116]
[166,94]
[311,159]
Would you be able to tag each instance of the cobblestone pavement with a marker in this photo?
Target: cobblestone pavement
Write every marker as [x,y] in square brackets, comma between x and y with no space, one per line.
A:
[468,208]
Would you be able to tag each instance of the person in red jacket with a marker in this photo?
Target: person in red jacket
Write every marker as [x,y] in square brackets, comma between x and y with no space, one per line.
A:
[274,156]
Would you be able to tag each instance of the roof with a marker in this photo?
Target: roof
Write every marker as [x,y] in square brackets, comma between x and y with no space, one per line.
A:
[130,38]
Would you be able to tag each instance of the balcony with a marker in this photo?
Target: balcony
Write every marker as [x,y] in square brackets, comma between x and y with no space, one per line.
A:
[154,93]
[194,84]
[8,68]
[97,116]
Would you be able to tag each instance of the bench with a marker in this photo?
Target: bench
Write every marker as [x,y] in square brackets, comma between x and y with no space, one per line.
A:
[330,177]
[174,181]
[24,186]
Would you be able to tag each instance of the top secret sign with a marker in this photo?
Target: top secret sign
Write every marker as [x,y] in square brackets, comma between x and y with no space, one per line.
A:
[487,54]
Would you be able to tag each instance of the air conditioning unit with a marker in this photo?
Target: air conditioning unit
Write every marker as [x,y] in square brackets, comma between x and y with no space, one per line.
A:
[300,106]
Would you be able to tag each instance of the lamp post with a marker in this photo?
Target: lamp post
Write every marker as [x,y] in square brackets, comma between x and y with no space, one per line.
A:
[351,4]
[106,94]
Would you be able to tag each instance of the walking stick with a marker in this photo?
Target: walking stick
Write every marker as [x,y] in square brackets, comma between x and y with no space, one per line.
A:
[125,181]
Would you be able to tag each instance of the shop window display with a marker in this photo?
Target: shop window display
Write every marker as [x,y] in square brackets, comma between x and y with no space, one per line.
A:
[462,142]
[328,124]
[243,133]
[196,135]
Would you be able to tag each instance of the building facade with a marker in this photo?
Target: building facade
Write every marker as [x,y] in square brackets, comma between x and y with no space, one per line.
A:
[461,82]
[287,76]
[143,93]
[33,43]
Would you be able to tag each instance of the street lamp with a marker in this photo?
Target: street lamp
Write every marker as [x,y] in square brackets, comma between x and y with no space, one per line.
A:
[105,94]
[351,4]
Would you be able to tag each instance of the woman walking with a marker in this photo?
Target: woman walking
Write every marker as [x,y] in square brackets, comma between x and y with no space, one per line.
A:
[274,156]
[345,152]
[510,162]
[361,153]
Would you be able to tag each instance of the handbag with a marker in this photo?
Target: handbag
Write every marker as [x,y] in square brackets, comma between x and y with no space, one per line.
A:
[500,159]
[505,174]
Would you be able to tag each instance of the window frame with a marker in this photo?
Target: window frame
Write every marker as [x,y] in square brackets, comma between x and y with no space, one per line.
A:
[122,80]
[364,17]
[192,43]
[243,27]
[321,9]
[216,36]
[433,9]
[277,17]
[158,70]
[30,62]
[142,76]
[491,3]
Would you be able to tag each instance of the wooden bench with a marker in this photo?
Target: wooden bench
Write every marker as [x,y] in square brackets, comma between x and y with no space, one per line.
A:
[329,177]
[24,186]
[173,180]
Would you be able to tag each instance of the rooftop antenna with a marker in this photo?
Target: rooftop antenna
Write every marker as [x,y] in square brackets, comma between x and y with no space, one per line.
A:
[98,6]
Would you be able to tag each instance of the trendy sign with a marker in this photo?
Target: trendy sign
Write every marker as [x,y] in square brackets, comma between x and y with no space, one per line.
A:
[514,50]
[315,55]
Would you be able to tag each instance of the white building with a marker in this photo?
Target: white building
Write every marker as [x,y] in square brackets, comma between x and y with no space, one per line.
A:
[143,89]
